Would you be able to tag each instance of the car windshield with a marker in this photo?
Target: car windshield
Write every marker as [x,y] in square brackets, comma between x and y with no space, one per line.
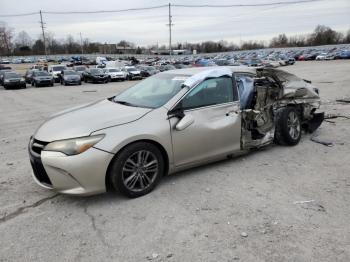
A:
[153,92]
[131,69]
[58,68]
[96,71]
[114,70]
[12,75]
[70,73]
[41,73]
[80,68]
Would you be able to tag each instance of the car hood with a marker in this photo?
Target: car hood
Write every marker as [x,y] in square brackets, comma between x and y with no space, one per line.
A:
[85,119]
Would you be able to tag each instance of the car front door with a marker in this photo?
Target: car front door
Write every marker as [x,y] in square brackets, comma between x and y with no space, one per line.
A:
[213,128]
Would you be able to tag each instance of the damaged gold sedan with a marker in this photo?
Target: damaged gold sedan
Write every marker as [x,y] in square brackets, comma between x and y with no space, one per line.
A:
[169,122]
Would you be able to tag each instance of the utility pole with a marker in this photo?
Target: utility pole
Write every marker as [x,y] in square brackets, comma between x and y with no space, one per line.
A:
[170,25]
[81,44]
[42,28]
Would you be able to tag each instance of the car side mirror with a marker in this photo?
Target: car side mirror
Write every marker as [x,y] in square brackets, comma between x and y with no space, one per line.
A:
[185,122]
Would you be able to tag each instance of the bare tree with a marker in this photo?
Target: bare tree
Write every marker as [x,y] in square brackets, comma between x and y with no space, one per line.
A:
[6,36]
[23,39]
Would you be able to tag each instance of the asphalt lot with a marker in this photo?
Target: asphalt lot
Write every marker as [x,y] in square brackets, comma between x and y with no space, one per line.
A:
[245,209]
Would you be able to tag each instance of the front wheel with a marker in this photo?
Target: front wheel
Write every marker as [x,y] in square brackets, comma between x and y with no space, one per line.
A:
[287,126]
[137,169]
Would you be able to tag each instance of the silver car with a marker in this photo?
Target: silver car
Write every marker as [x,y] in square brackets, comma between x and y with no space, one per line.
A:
[169,122]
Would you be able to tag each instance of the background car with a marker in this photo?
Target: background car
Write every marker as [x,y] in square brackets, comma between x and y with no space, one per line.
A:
[95,75]
[2,74]
[115,74]
[132,73]
[28,76]
[80,69]
[147,71]
[13,80]
[70,77]
[42,78]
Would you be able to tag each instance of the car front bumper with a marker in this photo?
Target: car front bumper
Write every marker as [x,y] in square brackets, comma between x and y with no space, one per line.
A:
[72,81]
[117,77]
[82,174]
[135,76]
[99,79]
[14,84]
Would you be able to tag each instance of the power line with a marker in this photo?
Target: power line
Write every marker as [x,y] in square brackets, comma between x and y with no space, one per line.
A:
[105,11]
[25,14]
[249,5]
[162,6]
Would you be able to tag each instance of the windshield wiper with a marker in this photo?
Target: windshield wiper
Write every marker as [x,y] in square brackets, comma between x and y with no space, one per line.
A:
[125,103]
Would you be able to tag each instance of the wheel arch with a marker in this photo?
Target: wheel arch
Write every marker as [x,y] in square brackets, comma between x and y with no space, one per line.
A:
[155,143]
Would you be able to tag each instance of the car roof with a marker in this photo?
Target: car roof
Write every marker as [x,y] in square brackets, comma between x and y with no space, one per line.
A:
[195,70]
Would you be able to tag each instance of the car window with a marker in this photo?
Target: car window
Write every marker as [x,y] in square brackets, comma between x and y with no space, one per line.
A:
[210,92]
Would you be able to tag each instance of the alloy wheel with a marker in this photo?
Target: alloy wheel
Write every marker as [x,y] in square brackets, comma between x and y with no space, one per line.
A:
[293,124]
[140,170]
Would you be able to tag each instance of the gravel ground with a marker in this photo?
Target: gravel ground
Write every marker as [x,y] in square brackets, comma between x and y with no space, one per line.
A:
[250,208]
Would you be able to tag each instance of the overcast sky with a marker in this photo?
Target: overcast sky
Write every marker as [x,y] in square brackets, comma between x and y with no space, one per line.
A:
[191,24]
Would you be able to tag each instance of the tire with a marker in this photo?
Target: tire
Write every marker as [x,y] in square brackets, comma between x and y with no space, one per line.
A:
[79,83]
[130,177]
[33,83]
[287,126]
[85,80]
[36,84]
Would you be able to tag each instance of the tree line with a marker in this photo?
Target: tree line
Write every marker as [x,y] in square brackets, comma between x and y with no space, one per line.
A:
[23,44]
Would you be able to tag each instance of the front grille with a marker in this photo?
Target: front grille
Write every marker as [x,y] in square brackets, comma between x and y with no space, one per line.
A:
[35,148]
[45,81]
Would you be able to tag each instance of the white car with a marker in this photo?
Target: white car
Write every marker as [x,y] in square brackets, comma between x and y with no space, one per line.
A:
[55,71]
[321,56]
[115,74]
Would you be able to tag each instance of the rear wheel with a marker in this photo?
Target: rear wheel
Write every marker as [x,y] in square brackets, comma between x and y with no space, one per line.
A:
[137,169]
[287,126]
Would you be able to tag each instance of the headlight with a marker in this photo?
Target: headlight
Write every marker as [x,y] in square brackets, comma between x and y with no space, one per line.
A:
[22,79]
[7,81]
[74,146]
